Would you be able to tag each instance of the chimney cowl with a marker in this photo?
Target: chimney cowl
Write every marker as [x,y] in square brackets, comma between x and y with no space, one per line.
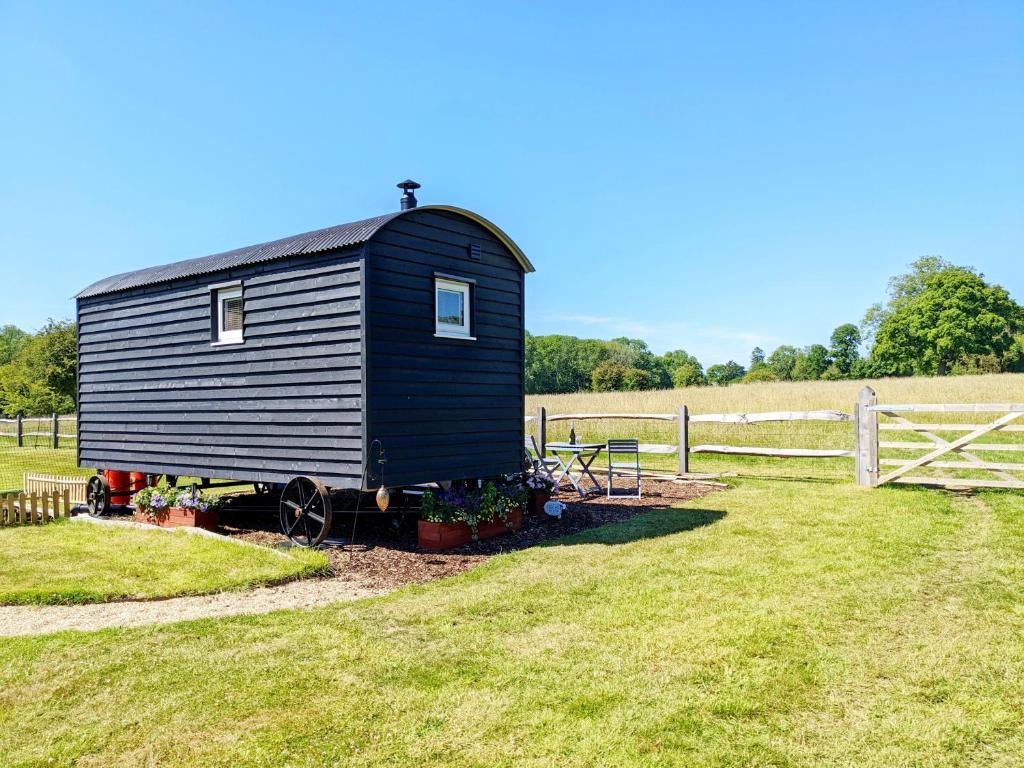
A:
[409,198]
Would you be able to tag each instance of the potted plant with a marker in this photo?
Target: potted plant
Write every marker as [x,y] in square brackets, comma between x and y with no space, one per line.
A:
[540,489]
[460,515]
[151,504]
[175,508]
[192,507]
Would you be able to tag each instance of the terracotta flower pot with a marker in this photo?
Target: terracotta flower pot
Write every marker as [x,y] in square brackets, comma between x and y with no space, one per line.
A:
[142,515]
[176,517]
[442,535]
[537,501]
[450,535]
[497,526]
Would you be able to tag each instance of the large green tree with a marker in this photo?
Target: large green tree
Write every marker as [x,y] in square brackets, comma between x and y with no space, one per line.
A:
[608,376]
[1013,360]
[561,363]
[684,369]
[945,317]
[41,377]
[902,288]
[688,376]
[722,374]
[783,360]
[567,364]
[635,354]
[845,349]
[638,379]
[812,362]
[760,373]
[12,341]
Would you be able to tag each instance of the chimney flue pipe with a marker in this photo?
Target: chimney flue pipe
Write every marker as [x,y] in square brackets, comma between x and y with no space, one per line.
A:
[409,198]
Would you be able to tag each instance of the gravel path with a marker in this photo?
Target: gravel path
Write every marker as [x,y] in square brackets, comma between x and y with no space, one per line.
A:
[41,619]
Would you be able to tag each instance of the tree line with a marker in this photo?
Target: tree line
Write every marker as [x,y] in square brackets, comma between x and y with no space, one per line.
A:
[38,370]
[938,319]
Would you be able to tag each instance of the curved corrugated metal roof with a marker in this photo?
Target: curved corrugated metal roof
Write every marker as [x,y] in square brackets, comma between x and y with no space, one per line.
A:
[328,239]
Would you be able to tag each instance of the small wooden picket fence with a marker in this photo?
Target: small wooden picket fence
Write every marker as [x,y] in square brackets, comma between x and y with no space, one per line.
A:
[35,483]
[34,508]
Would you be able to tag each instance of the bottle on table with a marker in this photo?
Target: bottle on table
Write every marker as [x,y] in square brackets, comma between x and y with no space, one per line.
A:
[572,433]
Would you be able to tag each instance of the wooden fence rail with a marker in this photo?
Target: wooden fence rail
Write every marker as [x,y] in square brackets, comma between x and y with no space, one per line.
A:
[770,416]
[740,419]
[52,431]
[778,453]
[34,508]
[601,416]
[683,418]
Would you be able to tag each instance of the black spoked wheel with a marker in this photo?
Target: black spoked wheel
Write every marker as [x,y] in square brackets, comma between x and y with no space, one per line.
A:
[97,495]
[305,511]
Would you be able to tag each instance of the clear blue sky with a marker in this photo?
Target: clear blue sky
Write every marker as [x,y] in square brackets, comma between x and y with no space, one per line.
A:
[706,175]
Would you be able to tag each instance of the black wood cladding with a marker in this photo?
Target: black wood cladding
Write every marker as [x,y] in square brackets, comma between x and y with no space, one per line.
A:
[443,408]
[339,350]
[156,396]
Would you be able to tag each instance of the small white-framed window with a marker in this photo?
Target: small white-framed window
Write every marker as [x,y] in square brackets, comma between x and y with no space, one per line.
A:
[452,309]
[228,308]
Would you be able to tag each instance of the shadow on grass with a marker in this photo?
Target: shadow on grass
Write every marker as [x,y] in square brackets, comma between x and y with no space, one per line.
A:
[649,525]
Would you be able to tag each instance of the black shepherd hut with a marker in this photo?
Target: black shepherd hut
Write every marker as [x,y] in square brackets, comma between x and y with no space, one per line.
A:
[292,359]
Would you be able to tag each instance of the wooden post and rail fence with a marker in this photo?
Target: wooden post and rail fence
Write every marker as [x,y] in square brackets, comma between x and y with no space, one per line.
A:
[866,424]
[38,426]
[683,419]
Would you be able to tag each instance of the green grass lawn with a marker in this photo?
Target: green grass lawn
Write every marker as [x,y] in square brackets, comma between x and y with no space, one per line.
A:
[70,562]
[14,462]
[779,623]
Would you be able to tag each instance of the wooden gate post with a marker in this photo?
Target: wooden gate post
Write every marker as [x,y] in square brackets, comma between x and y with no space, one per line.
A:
[684,440]
[541,422]
[56,426]
[19,429]
[866,422]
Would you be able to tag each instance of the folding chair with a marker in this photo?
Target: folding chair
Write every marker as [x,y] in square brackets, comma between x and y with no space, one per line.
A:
[545,466]
[624,461]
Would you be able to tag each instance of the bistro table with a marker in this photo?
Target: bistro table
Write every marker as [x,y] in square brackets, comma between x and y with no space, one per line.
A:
[584,455]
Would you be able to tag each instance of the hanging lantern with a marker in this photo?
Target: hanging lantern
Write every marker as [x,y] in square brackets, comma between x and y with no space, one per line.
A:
[383,497]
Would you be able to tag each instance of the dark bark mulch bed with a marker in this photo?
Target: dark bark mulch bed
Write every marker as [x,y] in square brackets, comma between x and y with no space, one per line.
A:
[384,554]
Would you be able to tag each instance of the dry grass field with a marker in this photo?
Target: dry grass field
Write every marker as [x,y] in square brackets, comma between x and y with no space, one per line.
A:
[772,396]
[792,395]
